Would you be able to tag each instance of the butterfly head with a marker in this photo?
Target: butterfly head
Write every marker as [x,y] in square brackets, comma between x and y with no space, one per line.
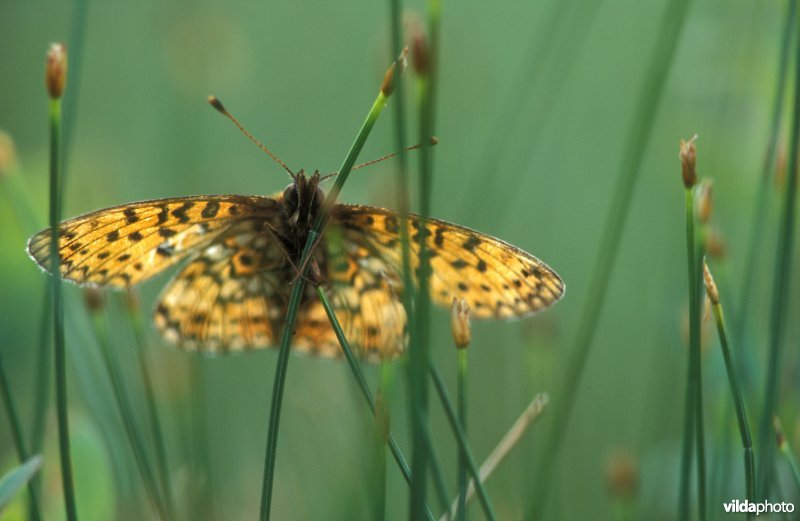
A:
[303,199]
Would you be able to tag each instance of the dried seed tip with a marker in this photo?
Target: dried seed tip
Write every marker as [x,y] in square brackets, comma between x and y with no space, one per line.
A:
[688,156]
[93,299]
[217,104]
[780,438]
[704,202]
[459,323]
[622,474]
[394,72]
[419,53]
[711,286]
[56,70]
[434,141]
[715,245]
[8,154]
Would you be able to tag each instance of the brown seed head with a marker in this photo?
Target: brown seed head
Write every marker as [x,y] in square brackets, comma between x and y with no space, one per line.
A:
[459,323]
[711,286]
[622,474]
[688,156]
[392,75]
[94,300]
[419,52]
[704,202]
[56,70]
[715,245]
[8,154]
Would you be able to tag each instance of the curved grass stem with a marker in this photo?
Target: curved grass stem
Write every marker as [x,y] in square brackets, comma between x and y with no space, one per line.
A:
[125,408]
[299,286]
[509,441]
[156,431]
[19,439]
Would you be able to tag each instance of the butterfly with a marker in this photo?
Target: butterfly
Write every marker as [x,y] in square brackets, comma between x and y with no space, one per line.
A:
[242,254]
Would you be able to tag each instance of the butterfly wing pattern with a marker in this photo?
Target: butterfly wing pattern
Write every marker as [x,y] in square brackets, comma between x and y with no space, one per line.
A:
[233,292]
[124,245]
[496,279]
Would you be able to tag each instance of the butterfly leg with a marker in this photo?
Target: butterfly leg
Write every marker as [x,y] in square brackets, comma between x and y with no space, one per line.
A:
[316,274]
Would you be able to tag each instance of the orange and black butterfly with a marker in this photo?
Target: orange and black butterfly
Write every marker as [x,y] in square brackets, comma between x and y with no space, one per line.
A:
[242,255]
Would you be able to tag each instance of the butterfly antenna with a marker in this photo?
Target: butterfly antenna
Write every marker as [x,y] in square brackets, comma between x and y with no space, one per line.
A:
[433,141]
[217,104]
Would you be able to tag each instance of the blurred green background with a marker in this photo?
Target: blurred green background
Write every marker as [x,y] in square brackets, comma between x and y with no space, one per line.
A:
[535,104]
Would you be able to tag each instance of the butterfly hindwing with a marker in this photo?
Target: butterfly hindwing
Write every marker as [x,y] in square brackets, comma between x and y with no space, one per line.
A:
[230,297]
[365,295]
[124,245]
[496,279]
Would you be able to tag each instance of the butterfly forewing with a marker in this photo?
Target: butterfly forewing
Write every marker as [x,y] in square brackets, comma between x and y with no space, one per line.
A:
[496,279]
[125,245]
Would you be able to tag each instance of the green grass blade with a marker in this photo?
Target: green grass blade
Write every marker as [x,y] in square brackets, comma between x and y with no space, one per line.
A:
[637,139]
[426,55]
[461,400]
[67,479]
[463,446]
[156,431]
[19,439]
[123,403]
[735,386]
[780,299]
[16,479]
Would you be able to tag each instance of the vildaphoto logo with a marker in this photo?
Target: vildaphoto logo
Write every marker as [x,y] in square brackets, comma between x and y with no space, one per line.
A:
[762,507]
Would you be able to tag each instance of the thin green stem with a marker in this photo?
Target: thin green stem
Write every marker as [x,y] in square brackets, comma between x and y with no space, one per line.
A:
[637,139]
[461,398]
[58,314]
[77,40]
[295,299]
[126,414]
[29,220]
[463,446]
[693,416]
[780,301]
[42,387]
[381,437]
[19,439]
[754,249]
[419,334]
[137,326]
[736,392]
[364,386]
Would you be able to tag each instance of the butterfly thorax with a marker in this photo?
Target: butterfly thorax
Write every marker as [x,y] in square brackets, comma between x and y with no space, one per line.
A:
[301,202]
